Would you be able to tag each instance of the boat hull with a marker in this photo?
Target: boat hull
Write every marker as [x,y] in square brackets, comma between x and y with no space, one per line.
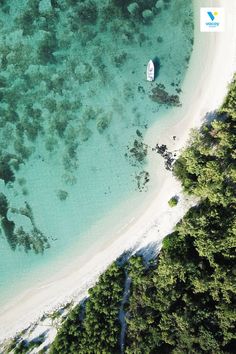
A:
[150,71]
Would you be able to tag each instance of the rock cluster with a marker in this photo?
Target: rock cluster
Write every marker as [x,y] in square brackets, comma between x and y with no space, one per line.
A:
[168,156]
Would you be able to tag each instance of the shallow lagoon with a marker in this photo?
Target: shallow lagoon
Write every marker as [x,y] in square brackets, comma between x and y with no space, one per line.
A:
[73,101]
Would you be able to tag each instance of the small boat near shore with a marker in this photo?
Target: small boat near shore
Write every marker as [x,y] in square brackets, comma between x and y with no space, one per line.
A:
[150,71]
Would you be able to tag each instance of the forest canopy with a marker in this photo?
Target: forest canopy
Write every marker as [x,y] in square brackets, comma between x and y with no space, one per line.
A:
[184,300]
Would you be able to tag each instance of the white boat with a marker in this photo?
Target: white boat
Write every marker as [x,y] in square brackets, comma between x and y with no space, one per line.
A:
[150,71]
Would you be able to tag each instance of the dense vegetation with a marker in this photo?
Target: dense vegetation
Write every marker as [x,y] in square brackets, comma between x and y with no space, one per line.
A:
[95,327]
[184,301]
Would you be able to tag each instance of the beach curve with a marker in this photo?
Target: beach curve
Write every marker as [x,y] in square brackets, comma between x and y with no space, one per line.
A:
[158,220]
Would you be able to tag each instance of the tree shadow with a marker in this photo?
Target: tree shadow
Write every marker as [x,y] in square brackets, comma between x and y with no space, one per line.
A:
[125,256]
[149,252]
[210,116]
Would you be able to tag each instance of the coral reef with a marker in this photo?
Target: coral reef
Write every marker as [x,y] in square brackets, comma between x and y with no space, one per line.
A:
[6,173]
[46,48]
[137,152]
[161,96]
[103,122]
[45,7]
[62,195]
[34,240]
[84,73]
[63,81]
[133,8]
[3,206]
[26,22]
[120,59]
[8,226]
[50,143]
[147,15]
[87,12]
[142,178]
[84,132]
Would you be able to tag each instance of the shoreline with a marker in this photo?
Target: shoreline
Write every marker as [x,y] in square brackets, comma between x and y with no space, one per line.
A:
[159,219]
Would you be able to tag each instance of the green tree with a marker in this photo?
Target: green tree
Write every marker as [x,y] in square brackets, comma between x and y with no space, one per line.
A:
[183,301]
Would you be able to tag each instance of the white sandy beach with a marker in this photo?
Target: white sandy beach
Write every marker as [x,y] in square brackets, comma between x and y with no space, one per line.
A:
[211,69]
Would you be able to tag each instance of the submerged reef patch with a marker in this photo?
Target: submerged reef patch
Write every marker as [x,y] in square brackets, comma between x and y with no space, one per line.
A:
[62,195]
[161,96]
[34,239]
[6,172]
[142,178]
[137,152]
[67,92]
[87,12]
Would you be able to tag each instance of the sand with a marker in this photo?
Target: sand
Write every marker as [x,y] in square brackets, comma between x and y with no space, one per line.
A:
[211,69]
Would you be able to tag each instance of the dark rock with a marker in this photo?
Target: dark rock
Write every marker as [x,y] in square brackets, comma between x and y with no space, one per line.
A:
[167,155]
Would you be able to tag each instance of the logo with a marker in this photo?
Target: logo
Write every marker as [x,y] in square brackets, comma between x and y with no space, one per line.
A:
[212,19]
[212,15]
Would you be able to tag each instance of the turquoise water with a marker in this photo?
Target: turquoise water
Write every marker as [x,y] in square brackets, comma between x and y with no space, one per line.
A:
[73,100]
